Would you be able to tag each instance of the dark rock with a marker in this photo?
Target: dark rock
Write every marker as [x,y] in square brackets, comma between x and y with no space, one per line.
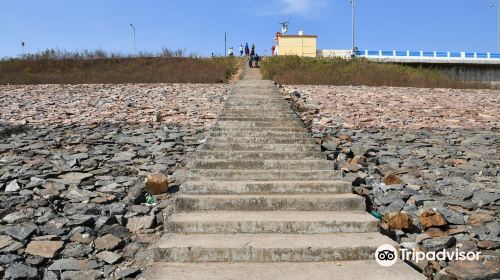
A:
[72,265]
[125,272]
[438,243]
[21,232]
[482,197]
[21,271]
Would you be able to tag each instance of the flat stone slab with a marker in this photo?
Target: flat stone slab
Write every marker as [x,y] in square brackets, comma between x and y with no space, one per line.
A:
[359,270]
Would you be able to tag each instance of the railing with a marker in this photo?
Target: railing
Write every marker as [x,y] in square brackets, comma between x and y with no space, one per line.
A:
[424,54]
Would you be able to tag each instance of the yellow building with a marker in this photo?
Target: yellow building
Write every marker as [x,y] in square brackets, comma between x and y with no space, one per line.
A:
[301,45]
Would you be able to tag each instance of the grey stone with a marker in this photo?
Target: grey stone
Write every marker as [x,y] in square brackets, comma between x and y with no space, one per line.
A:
[452,217]
[21,232]
[21,271]
[438,243]
[109,257]
[9,258]
[359,149]
[81,275]
[143,222]
[482,197]
[126,272]
[394,206]
[124,156]
[72,265]
[13,186]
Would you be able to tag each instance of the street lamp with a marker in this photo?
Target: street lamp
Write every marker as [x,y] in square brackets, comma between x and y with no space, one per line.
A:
[353,4]
[133,38]
[498,22]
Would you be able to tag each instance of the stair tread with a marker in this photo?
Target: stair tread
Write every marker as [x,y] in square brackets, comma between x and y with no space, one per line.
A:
[359,270]
[274,240]
[270,216]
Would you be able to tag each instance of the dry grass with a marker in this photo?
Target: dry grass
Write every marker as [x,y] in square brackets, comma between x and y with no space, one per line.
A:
[55,67]
[295,70]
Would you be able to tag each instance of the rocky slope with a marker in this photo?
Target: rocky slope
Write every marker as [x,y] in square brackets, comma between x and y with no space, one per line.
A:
[426,160]
[72,165]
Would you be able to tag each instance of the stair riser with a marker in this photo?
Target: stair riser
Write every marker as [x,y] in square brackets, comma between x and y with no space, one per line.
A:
[285,148]
[267,140]
[237,125]
[260,155]
[265,165]
[256,227]
[257,134]
[260,129]
[270,204]
[248,254]
[264,175]
[266,189]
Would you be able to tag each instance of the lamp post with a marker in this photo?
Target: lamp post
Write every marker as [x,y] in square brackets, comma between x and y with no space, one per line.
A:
[353,4]
[133,37]
[498,21]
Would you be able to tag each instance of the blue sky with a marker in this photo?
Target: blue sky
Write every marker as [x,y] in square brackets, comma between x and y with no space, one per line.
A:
[199,26]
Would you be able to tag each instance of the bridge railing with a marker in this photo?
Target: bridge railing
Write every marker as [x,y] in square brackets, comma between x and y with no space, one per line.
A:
[427,54]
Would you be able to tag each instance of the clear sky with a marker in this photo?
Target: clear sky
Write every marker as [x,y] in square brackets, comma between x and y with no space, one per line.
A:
[199,26]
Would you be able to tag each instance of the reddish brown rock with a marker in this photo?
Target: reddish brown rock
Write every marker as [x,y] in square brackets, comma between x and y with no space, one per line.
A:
[401,221]
[480,218]
[431,218]
[488,245]
[46,249]
[392,180]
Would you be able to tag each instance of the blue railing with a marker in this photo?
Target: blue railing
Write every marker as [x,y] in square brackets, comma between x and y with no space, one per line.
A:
[427,54]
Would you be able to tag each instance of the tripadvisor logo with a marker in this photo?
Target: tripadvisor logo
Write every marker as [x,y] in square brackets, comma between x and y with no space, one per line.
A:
[387,255]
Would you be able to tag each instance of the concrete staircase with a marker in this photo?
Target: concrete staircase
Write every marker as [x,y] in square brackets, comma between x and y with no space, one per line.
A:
[262,202]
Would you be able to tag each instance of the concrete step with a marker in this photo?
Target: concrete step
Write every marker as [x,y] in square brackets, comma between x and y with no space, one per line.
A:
[268,247]
[257,118]
[262,147]
[261,140]
[344,270]
[258,124]
[264,164]
[264,175]
[271,202]
[261,129]
[267,187]
[264,155]
[259,134]
[290,222]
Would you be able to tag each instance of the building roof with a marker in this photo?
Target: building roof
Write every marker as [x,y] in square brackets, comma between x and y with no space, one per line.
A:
[294,36]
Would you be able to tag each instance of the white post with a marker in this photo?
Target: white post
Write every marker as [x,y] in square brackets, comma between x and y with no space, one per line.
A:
[421,53]
[366,52]
[407,53]
[449,54]
[475,54]
[393,52]
[435,54]
[462,54]
[380,53]
[489,55]
[353,2]
[133,37]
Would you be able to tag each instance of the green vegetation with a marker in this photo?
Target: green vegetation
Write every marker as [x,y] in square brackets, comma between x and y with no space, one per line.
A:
[295,70]
[59,67]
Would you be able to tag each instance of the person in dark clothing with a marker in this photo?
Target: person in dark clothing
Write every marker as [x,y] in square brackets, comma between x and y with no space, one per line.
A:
[252,52]
[247,50]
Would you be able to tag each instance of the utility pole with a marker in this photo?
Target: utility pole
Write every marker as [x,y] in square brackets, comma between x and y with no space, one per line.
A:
[133,37]
[22,47]
[353,2]
[225,43]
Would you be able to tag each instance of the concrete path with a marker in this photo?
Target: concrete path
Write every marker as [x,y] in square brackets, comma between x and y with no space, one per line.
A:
[262,202]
